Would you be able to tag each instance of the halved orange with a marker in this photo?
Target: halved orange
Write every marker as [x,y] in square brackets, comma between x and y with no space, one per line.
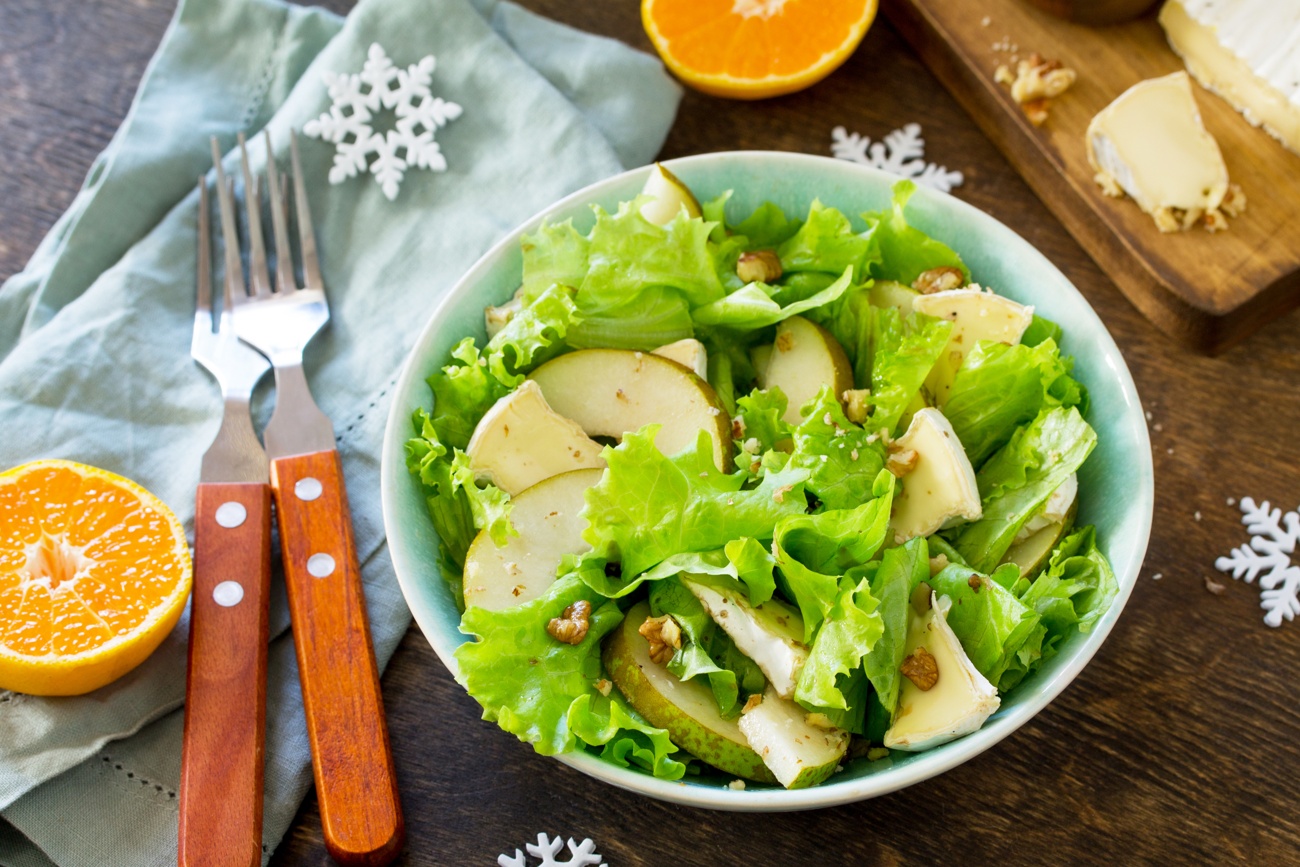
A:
[94,572]
[752,49]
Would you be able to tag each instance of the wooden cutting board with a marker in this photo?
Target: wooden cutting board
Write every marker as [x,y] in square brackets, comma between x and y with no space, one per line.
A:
[1205,290]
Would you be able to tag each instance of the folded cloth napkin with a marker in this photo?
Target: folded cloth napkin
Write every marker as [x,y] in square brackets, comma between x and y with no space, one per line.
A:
[94,334]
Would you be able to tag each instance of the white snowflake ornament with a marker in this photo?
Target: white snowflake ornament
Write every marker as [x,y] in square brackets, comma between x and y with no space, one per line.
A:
[1274,538]
[901,153]
[547,851]
[356,100]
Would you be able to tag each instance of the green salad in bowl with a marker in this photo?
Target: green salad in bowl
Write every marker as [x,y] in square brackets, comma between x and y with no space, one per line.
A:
[751,497]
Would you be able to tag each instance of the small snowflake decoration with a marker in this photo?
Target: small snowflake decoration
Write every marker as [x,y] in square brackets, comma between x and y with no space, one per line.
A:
[548,852]
[1268,557]
[901,153]
[358,97]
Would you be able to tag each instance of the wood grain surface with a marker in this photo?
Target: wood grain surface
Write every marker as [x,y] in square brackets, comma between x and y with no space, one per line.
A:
[1180,742]
[225,682]
[1207,290]
[351,757]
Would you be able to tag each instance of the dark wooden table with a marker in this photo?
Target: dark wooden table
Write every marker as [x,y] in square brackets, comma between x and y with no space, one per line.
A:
[1180,743]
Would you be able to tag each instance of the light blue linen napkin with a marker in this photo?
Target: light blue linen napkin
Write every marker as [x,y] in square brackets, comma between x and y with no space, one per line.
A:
[94,334]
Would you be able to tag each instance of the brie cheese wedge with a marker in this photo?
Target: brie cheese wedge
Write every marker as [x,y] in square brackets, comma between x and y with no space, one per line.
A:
[975,315]
[941,486]
[1246,51]
[1150,143]
[959,701]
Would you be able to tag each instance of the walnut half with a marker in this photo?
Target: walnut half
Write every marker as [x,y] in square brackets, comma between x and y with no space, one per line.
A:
[664,635]
[571,626]
[939,279]
[921,668]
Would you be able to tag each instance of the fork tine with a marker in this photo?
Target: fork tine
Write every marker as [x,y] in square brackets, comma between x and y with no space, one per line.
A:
[306,234]
[257,276]
[235,290]
[204,301]
[284,281]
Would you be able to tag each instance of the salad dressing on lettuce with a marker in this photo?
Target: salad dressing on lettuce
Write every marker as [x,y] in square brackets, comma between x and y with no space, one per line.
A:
[791,484]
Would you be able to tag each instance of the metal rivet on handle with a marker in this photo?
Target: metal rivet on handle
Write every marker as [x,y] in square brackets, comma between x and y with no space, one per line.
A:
[228,593]
[231,514]
[307,488]
[320,565]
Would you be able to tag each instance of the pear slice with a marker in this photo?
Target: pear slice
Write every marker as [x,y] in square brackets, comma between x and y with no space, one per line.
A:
[685,708]
[959,701]
[890,293]
[975,315]
[689,353]
[611,392]
[804,358]
[547,519]
[797,753]
[941,484]
[1034,544]
[771,634]
[759,356]
[668,196]
[521,440]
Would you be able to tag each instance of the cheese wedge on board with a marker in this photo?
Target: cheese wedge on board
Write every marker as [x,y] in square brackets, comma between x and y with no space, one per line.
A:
[1246,51]
[1150,143]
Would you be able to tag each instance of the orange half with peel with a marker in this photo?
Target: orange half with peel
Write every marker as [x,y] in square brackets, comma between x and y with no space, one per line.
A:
[94,572]
[752,49]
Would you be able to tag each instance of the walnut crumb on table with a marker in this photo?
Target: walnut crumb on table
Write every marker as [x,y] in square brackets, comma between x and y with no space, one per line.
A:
[1035,83]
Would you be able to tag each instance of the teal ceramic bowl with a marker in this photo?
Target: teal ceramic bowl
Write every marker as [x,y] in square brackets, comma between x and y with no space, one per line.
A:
[1115,485]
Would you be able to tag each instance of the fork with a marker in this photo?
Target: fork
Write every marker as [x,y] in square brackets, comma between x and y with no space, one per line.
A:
[225,687]
[356,785]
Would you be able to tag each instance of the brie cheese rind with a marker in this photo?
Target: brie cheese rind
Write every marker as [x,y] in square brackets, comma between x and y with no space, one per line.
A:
[1151,144]
[975,314]
[959,701]
[1246,51]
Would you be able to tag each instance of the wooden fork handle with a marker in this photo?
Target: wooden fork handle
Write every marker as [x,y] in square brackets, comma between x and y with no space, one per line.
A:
[225,690]
[356,786]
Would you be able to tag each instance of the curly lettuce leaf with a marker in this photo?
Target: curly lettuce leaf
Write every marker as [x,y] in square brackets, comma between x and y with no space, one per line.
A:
[555,253]
[463,391]
[1019,478]
[648,507]
[849,320]
[906,251]
[826,243]
[524,679]
[625,738]
[851,629]
[1002,636]
[652,318]
[901,570]
[842,463]
[449,508]
[813,552]
[767,227]
[744,559]
[755,306]
[761,415]
[1075,589]
[902,353]
[1000,387]
[533,335]
[706,650]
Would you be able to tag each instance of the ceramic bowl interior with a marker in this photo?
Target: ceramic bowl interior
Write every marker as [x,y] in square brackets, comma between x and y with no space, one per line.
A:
[1115,485]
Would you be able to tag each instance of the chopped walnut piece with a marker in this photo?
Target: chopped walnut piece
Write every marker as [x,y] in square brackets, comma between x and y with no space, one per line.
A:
[1036,111]
[920,668]
[752,702]
[1035,83]
[571,626]
[1215,587]
[938,563]
[902,462]
[1234,201]
[1004,75]
[939,280]
[759,266]
[604,687]
[857,402]
[664,635]
[737,428]
[975,582]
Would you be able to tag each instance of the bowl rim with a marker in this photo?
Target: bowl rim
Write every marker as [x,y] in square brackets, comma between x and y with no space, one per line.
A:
[831,793]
